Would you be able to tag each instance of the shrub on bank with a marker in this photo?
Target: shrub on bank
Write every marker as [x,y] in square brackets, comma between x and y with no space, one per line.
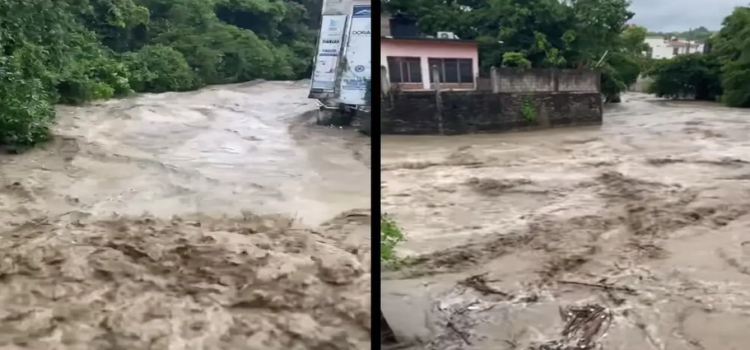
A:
[26,111]
[390,236]
[158,68]
[696,76]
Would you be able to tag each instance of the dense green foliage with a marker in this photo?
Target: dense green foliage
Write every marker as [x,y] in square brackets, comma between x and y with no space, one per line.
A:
[540,33]
[621,68]
[515,59]
[73,51]
[687,76]
[722,74]
[732,47]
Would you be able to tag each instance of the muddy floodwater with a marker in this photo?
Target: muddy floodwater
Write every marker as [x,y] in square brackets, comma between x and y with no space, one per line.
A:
[215,219]
[648,216]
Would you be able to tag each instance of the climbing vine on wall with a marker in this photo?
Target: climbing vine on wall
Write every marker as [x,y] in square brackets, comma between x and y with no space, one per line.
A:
[528,110]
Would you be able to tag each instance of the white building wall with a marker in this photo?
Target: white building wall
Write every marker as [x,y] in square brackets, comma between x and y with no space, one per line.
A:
[661,49]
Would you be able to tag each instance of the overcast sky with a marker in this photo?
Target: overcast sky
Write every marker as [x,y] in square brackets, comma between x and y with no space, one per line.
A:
[681,15]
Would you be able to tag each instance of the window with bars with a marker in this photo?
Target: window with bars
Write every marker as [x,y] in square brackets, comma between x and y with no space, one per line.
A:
[404,69]
[453,70]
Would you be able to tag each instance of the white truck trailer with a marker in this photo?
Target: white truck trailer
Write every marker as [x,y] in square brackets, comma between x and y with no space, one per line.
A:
[342,68]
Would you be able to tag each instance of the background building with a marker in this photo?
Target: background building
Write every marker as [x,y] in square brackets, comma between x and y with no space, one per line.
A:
[408,56]
[661,47]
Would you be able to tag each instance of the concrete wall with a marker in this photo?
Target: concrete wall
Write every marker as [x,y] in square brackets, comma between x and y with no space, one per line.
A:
[546,80]
[425,50]
[416,112]
[527,99]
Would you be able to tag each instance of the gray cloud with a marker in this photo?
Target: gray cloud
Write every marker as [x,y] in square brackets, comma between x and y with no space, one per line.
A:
[680,15]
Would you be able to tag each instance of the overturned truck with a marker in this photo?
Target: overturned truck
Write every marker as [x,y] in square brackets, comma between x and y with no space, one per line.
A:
[342,68]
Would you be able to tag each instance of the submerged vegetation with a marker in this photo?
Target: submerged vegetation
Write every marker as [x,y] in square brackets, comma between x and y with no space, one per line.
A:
[74,51]
[390,236]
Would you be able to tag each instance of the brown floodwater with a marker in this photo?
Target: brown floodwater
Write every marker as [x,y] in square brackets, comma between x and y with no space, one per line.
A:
[215,219]
[647,215]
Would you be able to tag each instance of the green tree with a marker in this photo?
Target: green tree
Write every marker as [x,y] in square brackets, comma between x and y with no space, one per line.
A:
[159,68]
[77,51]
[26,111]
[720,74]
[687,76]
[634,39]
[515,59]
[732,46]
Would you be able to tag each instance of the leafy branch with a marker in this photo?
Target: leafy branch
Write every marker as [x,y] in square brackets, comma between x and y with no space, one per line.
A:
[390,236]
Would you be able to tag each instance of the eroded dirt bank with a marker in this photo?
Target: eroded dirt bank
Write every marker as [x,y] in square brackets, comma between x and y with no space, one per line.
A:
[647,216]
[216,219]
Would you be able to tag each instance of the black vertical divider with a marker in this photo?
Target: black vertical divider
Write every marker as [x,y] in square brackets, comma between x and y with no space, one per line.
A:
[381,332]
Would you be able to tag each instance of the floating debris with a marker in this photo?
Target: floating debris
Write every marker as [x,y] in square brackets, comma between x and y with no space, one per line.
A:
[479,283]
[585,327]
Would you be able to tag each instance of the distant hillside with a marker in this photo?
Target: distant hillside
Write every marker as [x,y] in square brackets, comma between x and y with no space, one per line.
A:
[699,34]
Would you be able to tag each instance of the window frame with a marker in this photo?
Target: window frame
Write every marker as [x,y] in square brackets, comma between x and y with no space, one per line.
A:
[405,65]
[459,77]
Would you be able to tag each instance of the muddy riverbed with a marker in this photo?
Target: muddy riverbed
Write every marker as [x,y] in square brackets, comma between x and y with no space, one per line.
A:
[648,216]
[215,219]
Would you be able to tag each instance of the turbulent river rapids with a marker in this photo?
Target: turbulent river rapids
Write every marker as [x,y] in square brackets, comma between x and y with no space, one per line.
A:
[215,219]
[647,215]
